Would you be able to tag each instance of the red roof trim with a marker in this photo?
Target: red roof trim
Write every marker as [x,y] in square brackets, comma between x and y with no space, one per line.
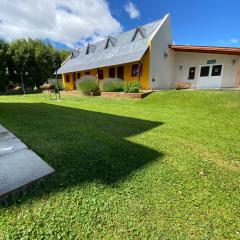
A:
[206,49]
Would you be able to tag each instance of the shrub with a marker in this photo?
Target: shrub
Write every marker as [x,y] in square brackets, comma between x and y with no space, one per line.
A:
[87,84]
[61,85]
[132,87]
[112,85]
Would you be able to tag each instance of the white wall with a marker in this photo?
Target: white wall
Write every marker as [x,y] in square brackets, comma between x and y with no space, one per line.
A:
[161,68]
[187,60]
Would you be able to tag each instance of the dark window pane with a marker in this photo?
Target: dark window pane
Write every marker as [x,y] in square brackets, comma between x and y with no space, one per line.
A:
[120,72]
[100,74]
[87,73]
[217,70]
[136,70]
[74,76]
[79,75]
[67,78]
[74,80]
[112,72]
[191,75]
[212,61]
[205,71]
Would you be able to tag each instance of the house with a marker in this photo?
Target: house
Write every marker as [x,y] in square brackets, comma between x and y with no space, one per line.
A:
[146,54]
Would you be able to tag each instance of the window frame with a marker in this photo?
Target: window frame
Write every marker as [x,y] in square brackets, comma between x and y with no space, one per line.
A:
[100,75]
[202,72]
[74,77]
[121,71]
[112,72]
[67,78]
[189,73]
[137,70]
[217,65]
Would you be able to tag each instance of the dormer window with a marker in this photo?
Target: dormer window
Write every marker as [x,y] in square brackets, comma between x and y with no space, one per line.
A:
[111,42]
[139,34]
[90,48]
[75,53]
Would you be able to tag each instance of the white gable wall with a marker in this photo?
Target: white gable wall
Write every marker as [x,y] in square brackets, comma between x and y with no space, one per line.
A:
[161,67]
[190,59]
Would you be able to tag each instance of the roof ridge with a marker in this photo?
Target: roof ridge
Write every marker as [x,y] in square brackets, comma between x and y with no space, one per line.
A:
[119,34]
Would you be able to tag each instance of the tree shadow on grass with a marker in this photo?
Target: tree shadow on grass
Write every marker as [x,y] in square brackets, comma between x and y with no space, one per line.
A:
[82,146]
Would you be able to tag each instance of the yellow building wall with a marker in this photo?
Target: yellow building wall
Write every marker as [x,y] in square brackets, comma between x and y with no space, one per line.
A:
[68,85]
[144,79]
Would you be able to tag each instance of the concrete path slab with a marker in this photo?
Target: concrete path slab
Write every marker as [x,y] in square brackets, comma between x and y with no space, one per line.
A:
[2,129]
[19,166]
[11,145]
[6,135]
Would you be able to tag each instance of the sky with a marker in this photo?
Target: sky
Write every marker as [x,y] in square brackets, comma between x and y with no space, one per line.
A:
[73,23]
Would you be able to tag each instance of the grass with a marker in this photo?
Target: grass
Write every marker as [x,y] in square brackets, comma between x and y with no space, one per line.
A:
[165,167]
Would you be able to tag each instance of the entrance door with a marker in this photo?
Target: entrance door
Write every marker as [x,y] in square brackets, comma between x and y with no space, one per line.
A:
[210,76]
[120,72]
[203,80]
[216,76]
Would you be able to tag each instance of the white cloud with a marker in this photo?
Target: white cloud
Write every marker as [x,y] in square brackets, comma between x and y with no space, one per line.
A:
[70,22]
[234,40]
[132,10]
[230,42]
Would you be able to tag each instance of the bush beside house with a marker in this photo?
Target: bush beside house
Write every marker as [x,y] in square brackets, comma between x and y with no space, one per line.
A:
[132,87]
[88,85]
[112,85]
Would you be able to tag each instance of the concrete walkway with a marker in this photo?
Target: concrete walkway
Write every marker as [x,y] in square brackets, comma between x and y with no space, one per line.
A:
[19,166]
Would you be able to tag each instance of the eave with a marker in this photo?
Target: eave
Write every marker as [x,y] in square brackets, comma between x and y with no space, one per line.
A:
[206,49]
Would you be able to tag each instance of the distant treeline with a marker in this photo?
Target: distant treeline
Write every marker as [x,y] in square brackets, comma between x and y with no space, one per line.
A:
[33,59]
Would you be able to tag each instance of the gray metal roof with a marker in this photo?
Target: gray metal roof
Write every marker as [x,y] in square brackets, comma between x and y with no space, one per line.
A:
[124,51]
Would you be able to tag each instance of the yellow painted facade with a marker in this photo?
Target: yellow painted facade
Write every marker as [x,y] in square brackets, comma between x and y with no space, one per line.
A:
[144,78]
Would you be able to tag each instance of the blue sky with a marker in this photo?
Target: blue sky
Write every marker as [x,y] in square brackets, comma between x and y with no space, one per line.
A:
[73,23]
[197,22]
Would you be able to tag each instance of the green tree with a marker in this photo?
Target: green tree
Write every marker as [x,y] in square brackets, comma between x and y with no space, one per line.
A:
[4,59]
[32,56]
[64,54]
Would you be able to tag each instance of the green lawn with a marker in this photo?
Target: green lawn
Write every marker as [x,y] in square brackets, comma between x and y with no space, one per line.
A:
[165,167]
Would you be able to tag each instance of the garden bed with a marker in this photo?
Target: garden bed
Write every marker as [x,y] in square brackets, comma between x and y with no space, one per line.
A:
[125,95]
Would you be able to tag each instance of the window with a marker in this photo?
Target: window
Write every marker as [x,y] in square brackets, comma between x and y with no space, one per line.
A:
[87,73]
[205,71]
[67,78]
[140,33]
[74,77]
[74,80]
[191,74]
[100,74]
[112,72]
[87,52]
[212,61]
[136,70]
[217,70]
[110,43]
[120,72]
[90,48]
[78,75]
